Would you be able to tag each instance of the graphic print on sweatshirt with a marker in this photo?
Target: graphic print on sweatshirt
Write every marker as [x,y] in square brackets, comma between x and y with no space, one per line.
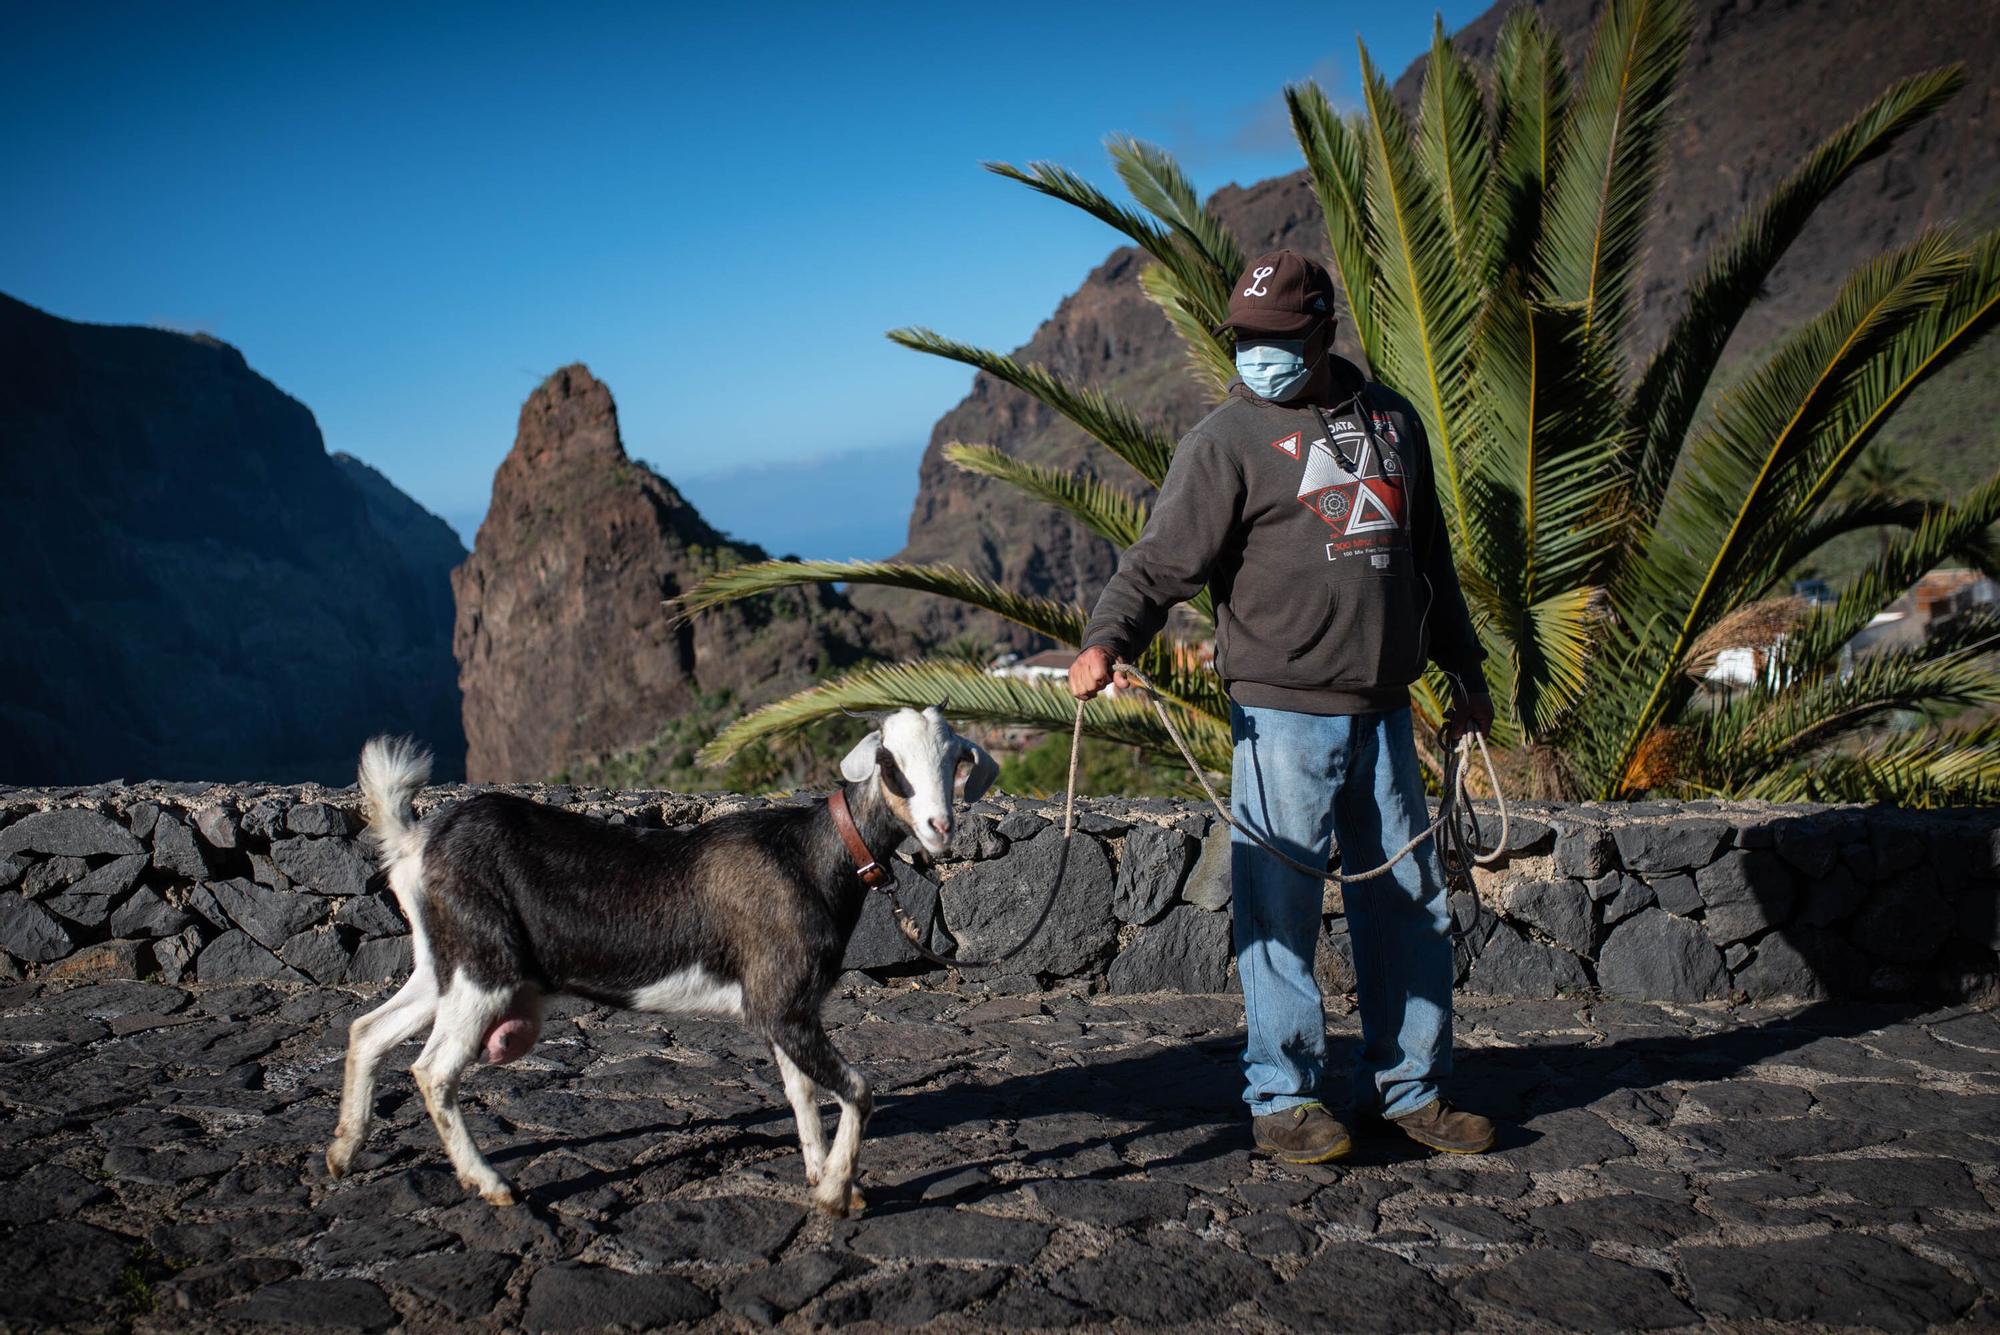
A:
[1353,480]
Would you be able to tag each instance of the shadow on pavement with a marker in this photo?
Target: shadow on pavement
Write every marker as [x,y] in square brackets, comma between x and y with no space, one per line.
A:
[1172,1110]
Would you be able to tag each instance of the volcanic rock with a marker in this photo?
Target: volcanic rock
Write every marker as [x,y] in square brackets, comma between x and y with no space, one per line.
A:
[1656,956]
[878,943]
[1186,951]
[76,832]
[566,651]
[177,852]
[1746,891]
[991,905]
[27,932]
[1559,910]
[1511,965]
[88,902]
[1150,871]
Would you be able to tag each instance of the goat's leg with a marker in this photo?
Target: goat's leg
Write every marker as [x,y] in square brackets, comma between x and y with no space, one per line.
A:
[466,1014]
[807,1044]
[804,1096]
[370,1039]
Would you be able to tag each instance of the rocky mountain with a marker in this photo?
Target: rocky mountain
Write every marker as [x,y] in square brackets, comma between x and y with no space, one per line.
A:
[565,652]
[193,588]
[1765,79]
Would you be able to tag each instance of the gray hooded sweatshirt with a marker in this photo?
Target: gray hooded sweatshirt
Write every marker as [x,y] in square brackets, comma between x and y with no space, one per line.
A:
[1318,532]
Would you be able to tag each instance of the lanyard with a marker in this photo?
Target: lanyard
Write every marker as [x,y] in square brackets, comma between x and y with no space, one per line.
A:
[1333,441]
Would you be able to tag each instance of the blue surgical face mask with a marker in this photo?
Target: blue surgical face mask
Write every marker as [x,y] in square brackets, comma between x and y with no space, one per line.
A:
[1275,368]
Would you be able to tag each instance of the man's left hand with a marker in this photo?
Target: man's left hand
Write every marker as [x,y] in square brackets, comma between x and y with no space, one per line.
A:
[1472,713]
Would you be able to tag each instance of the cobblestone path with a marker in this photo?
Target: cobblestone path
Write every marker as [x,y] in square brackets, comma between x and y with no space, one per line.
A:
[1034,1162]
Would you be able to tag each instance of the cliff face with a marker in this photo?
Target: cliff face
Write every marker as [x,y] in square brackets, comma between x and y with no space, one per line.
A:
[1764,81]
[193,588]
[565,651]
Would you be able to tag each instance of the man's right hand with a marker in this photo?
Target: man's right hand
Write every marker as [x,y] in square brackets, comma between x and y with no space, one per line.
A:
[1092,672]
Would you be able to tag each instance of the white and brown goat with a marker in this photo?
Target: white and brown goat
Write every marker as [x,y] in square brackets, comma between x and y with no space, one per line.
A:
[746,915]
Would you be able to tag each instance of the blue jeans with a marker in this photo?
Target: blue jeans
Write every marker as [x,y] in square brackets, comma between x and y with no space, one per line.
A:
[1299,781]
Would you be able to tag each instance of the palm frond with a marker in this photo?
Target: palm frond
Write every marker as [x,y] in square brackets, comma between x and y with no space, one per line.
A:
[1856,514]
[1058,182]
[1953,669]
[1541,512]
[1769,456]
[1753,734]
[1336,154]
[1715,528]
[1163,189]
[1664,401]
[1939,333]
[972,695]
[1061,622]
[1563,633]
[1941,532]
[1425,302]
[1210,355]
[1104,510]
[1765,729]
[1531,93]
[1551,414]
[1160,242]
[1455,149]
[1928,767]
[1144,446]
[1609,163]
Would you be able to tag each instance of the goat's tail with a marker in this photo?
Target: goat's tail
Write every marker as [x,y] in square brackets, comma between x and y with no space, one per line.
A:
[392,770]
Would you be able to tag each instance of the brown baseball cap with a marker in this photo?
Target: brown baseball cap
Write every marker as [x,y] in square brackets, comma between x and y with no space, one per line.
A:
[1282,294]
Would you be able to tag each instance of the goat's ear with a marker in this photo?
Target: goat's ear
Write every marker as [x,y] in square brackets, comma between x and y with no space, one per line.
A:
[985,769]
[860,762]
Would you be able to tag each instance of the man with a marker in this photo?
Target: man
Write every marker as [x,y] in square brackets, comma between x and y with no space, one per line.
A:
[1305,503]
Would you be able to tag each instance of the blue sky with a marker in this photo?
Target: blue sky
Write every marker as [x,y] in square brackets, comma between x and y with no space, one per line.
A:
[406,217]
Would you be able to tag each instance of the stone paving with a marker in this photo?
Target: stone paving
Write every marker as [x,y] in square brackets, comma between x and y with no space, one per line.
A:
[1052,1161]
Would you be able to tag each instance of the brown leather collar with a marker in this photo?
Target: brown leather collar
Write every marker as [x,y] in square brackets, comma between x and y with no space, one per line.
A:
[872,873]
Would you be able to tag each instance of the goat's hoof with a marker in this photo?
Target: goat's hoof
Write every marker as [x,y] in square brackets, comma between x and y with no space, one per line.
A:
[338,1161]
[840,1209]
[501,1196]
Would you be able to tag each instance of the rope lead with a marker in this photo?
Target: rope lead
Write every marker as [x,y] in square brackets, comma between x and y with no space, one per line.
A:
[1456,845]
[1455,795]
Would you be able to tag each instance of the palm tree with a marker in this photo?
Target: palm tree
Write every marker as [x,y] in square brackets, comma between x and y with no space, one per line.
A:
[1615,519]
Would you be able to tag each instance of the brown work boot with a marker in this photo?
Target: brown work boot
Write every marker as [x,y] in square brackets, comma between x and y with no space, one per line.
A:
[1305,1134]
[1442,1127]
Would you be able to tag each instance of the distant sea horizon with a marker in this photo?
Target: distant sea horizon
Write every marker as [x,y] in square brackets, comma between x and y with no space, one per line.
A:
[837,507]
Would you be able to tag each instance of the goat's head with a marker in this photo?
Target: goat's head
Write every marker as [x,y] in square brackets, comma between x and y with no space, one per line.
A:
[916,758]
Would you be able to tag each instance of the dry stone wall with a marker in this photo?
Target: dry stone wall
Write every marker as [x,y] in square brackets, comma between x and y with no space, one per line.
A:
[1647,901]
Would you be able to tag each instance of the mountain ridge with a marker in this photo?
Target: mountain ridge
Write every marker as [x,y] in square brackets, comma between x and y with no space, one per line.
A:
[196,588]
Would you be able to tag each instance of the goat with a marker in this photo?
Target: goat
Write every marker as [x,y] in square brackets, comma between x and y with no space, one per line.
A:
[746,915]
